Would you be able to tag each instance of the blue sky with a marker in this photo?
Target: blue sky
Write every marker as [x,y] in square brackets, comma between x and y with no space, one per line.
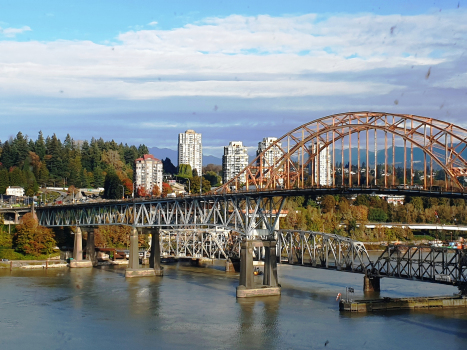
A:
[143,71]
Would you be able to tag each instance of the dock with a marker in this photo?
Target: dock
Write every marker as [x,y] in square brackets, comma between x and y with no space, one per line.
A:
[386,304]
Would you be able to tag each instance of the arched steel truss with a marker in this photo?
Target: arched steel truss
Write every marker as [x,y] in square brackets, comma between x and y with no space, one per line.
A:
[300,152]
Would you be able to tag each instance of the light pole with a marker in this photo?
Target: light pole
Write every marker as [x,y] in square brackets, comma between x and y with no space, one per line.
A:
[123,191]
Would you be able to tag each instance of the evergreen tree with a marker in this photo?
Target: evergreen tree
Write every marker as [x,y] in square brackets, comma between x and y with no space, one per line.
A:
[39,147]
[142,150]
[22,148]
[111,186]
[98,177]
[8,157]
[4,180]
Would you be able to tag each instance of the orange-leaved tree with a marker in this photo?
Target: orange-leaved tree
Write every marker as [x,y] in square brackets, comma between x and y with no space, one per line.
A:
[156,191]
[31,238]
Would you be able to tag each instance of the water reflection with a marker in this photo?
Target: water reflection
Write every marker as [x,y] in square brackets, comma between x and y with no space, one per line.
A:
[258,320]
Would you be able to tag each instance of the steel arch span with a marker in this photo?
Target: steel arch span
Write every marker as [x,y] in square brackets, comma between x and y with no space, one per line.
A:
[314,154]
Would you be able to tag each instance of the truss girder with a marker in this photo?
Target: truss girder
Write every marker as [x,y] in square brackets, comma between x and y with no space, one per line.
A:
[320,249]
[433,264]
[243,214]
[443,143]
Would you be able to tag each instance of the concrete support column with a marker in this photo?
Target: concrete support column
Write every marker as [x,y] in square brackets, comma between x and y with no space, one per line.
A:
[371,284]
[246,264]
[155,258]
[78,245]
[133,265]
[91,248]
[270,266]
[134,253]
[246,286]
[78,251]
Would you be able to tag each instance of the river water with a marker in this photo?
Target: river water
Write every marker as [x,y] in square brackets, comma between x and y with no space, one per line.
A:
[196,308]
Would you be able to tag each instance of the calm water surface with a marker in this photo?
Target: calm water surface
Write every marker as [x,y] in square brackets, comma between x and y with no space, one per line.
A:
[196,308]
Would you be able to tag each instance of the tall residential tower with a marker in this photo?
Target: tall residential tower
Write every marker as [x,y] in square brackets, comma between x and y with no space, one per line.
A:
[190,150]
[234,160]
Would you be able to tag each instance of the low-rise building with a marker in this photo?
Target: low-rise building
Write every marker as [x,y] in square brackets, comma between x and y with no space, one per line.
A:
[15,191]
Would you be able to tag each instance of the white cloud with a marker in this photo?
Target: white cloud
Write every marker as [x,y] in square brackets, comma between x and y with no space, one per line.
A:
[153,23]
[12,32]
[240,57]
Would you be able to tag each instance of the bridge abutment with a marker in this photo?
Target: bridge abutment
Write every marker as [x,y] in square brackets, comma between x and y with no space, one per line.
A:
[78,251]
[371,284]
[247,287]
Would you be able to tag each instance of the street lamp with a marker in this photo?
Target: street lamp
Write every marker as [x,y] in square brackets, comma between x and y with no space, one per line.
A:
[123,191]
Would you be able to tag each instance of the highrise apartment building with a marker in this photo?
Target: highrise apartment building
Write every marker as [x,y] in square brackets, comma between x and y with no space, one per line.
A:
[323,176]
[190,150]
[148,172]
[273,154]
[234,160]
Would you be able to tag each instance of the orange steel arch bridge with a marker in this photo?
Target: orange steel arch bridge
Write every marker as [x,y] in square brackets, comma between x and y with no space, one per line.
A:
[315,154]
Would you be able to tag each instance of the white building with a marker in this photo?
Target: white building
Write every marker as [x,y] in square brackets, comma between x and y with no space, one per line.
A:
[15,191]
[273,154]
[148,172]
[234,160]
[190,150]
[323,177]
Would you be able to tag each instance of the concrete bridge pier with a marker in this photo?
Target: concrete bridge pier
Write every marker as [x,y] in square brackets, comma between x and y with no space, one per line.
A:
[155,258]
[134,269]
[78,251]
[371,284]
[246,286]
[91,247]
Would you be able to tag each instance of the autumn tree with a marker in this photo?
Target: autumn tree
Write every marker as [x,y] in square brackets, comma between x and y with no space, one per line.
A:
[166,189]
[156,191]
[31,238]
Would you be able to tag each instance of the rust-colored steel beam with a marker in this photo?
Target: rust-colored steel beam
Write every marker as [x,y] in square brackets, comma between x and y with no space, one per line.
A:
[444,145]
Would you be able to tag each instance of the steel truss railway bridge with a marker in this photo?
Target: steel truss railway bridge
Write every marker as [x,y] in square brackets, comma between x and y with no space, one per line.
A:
[307,161]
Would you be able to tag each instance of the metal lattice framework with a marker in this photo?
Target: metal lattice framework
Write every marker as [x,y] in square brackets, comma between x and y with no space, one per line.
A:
[211,244]
[433,264]
[309,155]
[320,249]
[255,214]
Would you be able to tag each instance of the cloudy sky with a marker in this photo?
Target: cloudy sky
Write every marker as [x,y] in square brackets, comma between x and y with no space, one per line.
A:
[142,71]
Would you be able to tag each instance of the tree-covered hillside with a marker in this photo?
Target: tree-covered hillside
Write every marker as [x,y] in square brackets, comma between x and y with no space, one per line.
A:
[32,163]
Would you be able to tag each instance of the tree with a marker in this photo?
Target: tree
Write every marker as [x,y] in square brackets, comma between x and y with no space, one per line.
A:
[31,238]
[111,186]
[166,189]
[142,192]
[156,191]
[328,203]
[377,214]
[4,180]
[195,182]
[184,170]
[213,178]
[169,168]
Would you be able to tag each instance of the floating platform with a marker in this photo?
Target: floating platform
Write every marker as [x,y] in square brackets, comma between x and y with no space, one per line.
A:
[385,304]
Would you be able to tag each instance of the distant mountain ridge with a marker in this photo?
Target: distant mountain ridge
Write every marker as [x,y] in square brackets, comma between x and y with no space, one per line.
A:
[162,153]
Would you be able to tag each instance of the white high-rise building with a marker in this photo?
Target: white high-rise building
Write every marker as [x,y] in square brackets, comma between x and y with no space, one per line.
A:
[148,172]
[273,154]
[324,166]
[190,150]
[234,160]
